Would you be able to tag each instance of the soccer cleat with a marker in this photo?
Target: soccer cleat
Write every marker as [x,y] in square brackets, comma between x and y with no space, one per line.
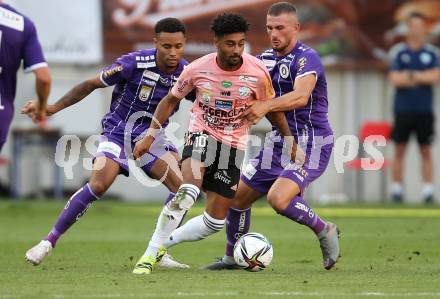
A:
[329,243]
[219,264]
[144,265]
[36,254]
[167,261]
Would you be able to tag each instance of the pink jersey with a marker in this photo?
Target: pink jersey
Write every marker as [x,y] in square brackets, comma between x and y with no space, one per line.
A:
[221,96]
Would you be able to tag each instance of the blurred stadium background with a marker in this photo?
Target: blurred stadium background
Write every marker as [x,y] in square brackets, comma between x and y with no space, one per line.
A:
[353,36]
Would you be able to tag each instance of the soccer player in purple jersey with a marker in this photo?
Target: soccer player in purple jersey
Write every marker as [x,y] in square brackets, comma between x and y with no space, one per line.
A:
[141,80]
[301,92]
[19,41]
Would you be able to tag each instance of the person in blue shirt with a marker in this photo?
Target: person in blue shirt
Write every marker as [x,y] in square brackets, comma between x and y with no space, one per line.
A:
[414,71]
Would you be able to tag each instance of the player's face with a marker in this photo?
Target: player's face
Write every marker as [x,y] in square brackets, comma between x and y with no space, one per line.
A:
[283,31]
[230,48]
[416,28]
[169,48]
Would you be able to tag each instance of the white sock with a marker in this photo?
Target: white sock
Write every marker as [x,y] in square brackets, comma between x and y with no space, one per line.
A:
[229,260]
[171,217]
[195,229]
[396,188]
[428,189]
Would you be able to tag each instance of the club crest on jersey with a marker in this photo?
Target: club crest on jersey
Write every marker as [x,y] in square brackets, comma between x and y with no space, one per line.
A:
[284,71]
[425,58]
[244,92]
[144,93]
[206,97]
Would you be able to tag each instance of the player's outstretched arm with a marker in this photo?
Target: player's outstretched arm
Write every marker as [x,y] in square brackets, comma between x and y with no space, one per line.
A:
[75,95]
[163,112]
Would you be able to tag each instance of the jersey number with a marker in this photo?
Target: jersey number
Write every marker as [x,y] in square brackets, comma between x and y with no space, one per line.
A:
[1,106]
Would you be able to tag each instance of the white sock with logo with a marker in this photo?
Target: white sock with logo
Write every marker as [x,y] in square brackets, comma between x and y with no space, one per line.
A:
[195,229]
[171,217]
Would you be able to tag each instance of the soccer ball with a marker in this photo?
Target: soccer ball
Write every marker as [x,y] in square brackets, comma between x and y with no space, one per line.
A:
[253,252]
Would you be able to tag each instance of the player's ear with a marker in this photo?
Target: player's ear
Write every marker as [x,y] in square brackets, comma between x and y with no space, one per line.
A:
[216,41]
[155,41]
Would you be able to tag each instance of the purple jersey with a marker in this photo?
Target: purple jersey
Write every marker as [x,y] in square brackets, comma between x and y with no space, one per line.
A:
[139,86]
[18,41]
[311,120]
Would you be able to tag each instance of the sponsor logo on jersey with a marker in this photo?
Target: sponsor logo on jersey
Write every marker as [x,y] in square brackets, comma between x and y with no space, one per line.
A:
[11,19]
[284,71]
[222,104]
[144,93]
[110,72]
[225,93]
[151,75]
[227,84]
[145,58]
[301,64]
[181,84]
[149,82]
[145,65]
[248,78]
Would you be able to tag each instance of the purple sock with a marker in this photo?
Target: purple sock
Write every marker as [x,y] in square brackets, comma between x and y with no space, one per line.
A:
[299,211]
[237,224]
[74,209]
[169,198]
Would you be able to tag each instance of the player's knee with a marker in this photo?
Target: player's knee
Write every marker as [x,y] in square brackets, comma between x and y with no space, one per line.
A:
[277,201]
[98,187]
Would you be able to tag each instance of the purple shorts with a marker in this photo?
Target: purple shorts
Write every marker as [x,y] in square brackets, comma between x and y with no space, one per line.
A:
[113,148]
[261,172]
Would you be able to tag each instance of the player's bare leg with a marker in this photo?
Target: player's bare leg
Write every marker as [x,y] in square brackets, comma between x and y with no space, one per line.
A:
[398,166]
[104,173]
[284,197]
[427,173]
[237,223]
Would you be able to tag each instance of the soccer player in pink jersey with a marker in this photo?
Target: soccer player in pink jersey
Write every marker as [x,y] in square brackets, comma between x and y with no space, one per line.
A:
[226,83]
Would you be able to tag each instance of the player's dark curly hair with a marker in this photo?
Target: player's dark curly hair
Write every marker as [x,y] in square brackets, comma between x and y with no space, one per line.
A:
[170,25]
[228,23]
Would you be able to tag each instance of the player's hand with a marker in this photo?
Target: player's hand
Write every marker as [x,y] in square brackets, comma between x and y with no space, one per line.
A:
[35,112]
[142,146]
[255,111]
[297,154]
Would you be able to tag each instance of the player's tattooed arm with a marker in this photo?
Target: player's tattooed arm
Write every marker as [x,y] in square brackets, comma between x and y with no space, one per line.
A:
[163,112]
[76,94]
[72,97]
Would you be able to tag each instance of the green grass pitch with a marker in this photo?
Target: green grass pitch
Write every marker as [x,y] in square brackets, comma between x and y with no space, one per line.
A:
[387,252]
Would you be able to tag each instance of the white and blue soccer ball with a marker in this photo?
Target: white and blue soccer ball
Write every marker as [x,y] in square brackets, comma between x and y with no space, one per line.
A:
[253,252]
